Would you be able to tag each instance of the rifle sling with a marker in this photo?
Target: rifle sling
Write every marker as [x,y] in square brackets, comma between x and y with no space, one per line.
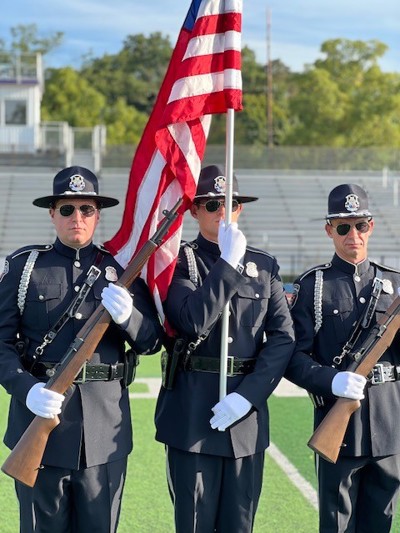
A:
[73,308]
[364,320]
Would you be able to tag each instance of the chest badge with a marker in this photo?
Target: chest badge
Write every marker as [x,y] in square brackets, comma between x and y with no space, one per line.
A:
[111,274]
[251,270]
[387,286]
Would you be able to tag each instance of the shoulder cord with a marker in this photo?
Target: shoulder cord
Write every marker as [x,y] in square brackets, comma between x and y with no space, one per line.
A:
[192,265]
[319,283]
[24,281]
[364,320]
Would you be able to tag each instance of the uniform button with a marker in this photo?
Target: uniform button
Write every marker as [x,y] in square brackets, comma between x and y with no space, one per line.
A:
[230,339]
[48,246]
[257,295]
[362,300]
[77,263]
[335,311]
[78,316]
[76,288]
[41,297]
[357,278]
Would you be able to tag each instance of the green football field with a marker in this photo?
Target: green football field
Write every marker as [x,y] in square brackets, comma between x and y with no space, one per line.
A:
[287,503]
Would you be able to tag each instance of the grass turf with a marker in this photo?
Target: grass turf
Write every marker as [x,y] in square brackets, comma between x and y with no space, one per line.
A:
[146,506]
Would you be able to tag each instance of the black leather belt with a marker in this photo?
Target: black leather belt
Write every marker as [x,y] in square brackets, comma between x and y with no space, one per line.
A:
[383,373]
[236,365]
[89,372]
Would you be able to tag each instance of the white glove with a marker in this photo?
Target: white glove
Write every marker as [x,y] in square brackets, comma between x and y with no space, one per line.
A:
[232,243]
[229,410]
[349,385]
[44,402]
[118,302]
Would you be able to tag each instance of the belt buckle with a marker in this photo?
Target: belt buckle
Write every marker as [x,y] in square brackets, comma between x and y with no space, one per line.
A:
[230,366]
[82,379]
[378,375]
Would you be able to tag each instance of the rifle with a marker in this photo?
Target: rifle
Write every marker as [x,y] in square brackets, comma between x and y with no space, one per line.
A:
[24,461]
[327,439]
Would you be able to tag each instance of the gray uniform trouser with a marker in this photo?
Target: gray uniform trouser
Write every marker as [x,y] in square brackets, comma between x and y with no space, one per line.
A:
[358,494]
[73,501]
[212,493]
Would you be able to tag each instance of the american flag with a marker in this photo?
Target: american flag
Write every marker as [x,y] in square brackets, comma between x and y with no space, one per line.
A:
[203,78]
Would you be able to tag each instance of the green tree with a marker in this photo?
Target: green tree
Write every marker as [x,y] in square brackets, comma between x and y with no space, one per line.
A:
[125,123]
[347,60]
[318,109]
[135,73]
[69,97]
[284,86]
[345,99]
[80,105]
[25,39]
[374,118]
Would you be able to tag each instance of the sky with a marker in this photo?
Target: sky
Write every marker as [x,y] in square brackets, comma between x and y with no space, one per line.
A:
[297,27]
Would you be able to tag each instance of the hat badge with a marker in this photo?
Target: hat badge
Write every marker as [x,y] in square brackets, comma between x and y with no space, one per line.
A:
[220,184]
[77,183]
[352,202]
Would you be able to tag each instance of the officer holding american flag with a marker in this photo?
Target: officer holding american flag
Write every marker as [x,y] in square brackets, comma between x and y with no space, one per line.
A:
[215,448]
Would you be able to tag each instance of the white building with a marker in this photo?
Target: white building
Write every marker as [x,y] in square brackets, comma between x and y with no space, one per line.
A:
[23,134]
[21,91]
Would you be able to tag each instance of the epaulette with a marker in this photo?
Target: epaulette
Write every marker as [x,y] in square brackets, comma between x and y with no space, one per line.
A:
[385,267]
[325,266]
[258,251]
[33,247]
[192,244]
[102,249]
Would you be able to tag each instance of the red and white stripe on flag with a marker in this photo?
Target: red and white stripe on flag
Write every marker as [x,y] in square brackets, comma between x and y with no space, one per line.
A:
[203,78]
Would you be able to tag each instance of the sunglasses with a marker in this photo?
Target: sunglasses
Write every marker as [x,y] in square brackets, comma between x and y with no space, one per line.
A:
[85,210]
[343,229]
[213,205]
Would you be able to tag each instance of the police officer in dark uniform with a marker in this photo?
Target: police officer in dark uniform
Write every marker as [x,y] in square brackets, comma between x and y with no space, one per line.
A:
[335,306]
[215,449]
[80,487]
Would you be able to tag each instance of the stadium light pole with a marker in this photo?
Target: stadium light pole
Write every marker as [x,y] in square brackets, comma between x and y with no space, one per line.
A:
[270,132]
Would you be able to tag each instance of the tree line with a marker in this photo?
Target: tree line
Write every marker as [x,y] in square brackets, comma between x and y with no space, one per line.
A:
[341,100]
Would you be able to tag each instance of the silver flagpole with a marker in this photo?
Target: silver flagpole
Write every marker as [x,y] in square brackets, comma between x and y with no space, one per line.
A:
[230,124]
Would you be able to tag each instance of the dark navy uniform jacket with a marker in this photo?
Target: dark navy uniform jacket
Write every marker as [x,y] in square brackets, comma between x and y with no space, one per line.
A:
[259,326]
[95,414]
[374,429]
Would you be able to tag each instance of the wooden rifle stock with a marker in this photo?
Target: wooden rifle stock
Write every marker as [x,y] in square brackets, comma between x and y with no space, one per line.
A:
[24,461]
[327,439]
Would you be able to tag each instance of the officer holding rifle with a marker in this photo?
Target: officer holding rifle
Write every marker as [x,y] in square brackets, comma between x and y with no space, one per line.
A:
[334,308]
[47,293]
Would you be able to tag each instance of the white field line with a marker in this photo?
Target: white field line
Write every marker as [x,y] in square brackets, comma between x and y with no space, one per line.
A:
[285,388]
[153,385]
[294,475]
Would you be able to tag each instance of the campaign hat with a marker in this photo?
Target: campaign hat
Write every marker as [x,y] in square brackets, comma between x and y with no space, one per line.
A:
[212,184]
[348,201]
[75,182]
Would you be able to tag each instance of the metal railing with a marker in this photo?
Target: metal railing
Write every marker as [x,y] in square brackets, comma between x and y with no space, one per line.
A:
[21,68]
[296,158]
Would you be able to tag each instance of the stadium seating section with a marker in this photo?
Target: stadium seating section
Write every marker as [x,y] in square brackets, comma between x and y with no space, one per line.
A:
[287,220]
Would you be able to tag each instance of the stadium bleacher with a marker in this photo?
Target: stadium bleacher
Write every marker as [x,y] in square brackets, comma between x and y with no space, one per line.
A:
[287,220]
